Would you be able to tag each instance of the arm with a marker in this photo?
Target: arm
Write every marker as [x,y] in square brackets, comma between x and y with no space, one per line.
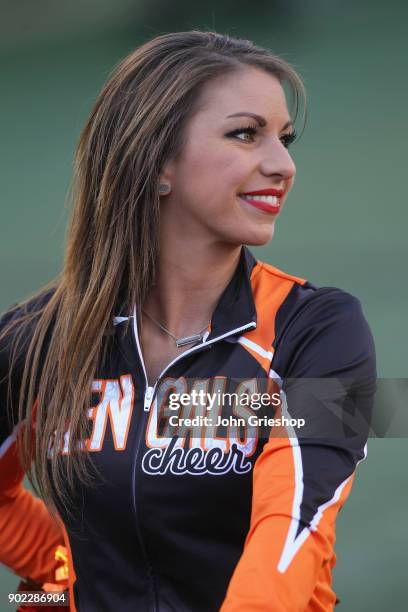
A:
[28,534]
[300,483]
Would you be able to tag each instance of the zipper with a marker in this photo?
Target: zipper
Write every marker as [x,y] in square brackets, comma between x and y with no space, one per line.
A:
[148,398]
[148,563]
[150,391]
[147,402]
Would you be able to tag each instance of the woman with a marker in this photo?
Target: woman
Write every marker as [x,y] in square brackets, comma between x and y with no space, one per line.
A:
[183,162]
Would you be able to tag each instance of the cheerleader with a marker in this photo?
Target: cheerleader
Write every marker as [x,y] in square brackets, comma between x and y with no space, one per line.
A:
[183,164]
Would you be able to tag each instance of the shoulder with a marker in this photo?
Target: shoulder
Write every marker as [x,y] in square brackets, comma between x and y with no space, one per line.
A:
[308,305]
[17,324]
[318,331]
[24,309]
[31,305]
[323,331]
[298,299]
[292,297]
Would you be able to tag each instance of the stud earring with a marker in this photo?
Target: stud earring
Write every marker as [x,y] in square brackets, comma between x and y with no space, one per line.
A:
[164,188]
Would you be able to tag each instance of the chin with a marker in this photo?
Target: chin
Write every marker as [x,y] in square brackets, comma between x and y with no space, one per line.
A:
[260,236]
[251,234]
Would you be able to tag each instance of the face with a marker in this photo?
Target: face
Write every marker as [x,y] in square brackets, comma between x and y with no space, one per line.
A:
[232,178]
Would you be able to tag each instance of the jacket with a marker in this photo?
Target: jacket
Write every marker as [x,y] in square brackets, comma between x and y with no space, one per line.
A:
[195,516]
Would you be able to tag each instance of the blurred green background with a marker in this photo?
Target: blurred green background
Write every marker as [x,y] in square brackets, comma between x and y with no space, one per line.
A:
[344,225]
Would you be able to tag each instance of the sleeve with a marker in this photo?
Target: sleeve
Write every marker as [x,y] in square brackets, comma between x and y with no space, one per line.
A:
[325,366]
[29,536]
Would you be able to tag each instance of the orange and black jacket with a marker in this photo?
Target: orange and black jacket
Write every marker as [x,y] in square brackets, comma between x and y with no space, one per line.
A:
[205,519]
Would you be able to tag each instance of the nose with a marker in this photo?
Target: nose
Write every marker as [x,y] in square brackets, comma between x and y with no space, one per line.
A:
[277,161]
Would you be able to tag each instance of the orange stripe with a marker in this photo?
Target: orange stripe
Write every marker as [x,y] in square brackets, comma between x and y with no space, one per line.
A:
[270,288]
[273,478]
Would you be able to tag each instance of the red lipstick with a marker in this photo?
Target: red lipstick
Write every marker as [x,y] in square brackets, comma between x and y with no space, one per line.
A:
[259,199]
[273,192]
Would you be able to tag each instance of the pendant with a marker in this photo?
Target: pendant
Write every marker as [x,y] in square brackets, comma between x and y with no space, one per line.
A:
[188,340]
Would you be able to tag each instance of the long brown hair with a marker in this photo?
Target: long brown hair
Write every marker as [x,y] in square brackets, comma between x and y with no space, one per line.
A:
[61,333]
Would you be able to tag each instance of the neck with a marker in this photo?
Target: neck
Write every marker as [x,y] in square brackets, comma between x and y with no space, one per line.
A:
[190,279]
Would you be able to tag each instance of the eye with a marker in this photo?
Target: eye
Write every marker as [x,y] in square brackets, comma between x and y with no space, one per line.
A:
[287,139]
[249,131]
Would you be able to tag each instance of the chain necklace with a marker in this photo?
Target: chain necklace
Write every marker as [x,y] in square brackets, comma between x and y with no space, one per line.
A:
[184,340]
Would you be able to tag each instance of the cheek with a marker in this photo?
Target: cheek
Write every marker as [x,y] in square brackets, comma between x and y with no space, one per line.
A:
[217,166]
[209,177]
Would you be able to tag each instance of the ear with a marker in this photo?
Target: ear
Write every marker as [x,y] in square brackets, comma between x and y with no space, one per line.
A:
[165,179]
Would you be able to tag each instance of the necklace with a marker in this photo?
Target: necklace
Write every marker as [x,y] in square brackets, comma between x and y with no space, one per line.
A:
[184,340]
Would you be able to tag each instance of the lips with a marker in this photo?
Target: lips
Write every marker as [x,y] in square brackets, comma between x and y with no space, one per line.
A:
[267,200]
[272,192]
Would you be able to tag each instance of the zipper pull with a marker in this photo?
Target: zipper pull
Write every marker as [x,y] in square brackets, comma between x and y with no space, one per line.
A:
[148,398]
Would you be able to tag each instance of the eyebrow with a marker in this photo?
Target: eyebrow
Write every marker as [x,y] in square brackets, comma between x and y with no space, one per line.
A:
[261,121]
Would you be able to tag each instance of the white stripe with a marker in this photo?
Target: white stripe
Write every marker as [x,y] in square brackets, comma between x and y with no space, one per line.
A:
[275,376]
[293,543]
[319,513]
[117,320]
[9,441]
[291,548]
[316,519]
[255,347]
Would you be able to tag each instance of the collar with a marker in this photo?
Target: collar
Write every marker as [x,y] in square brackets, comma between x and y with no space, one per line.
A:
[236,306]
